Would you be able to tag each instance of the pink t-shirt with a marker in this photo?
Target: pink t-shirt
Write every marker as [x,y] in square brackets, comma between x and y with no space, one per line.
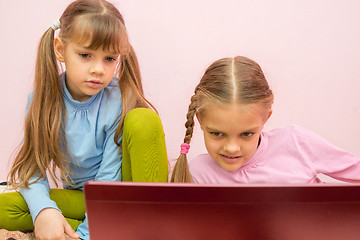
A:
[286,155]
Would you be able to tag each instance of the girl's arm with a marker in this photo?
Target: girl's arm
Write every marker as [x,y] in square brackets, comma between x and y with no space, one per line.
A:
[48,221]
[338,164]
[330,160]
[37,197]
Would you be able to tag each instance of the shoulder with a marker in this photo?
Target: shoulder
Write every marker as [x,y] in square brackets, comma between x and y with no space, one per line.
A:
[107,106]
[111,102]
[112,90]
[298,131]
[30,97]
[293,134]
[288,131]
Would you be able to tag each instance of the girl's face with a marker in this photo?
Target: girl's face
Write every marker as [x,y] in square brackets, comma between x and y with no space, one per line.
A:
[232,132]
[87,71]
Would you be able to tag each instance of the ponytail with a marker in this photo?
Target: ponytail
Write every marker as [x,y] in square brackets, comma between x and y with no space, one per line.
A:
[44,123]
[131,88]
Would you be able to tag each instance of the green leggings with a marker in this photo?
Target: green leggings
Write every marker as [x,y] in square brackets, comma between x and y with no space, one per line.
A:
[144,160]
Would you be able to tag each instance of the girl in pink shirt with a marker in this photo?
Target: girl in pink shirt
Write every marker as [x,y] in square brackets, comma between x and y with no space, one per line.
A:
[232,103]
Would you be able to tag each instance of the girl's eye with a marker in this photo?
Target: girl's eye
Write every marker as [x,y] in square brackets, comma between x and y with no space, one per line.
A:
[110,59]
[84,55]
[247,134]
[216,134]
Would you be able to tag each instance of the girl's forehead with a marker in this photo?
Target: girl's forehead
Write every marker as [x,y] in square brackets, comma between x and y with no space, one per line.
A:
[86,45]
[87,41]
[232,116]
[96,34]
[233,107]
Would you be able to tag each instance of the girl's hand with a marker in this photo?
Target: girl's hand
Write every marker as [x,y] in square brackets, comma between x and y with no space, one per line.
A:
[50,224]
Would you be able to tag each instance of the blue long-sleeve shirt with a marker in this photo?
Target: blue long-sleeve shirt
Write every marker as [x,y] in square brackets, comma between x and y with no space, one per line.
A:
[93,154]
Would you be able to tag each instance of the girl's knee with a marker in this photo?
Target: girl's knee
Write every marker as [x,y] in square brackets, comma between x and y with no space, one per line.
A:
[62,197]
[142,119]
[12,200]
[14,212]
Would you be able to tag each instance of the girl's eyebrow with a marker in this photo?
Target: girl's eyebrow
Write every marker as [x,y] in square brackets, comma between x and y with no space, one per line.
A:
[82,47]
[254,129]
[212,129]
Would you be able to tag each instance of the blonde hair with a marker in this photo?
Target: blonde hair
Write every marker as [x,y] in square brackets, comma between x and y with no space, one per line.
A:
[44,145]
[228,80]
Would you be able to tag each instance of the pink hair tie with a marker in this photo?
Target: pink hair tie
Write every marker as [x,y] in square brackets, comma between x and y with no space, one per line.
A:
[185,148]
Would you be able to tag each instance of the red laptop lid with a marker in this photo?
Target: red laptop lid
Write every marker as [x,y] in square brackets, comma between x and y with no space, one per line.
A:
[164,211]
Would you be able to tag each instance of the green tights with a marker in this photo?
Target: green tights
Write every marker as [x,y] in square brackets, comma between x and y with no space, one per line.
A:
[144,159]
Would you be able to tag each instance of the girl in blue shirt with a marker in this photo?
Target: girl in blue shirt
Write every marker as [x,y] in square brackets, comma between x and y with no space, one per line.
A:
[92,122]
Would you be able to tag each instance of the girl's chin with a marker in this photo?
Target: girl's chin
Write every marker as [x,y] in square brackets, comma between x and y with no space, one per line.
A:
[230,168]
[230,165]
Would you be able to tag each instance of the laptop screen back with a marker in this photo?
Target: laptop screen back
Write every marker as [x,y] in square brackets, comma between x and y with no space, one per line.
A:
[163,211]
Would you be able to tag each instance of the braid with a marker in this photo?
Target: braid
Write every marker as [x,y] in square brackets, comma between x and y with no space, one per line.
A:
[181,171]
[190,120]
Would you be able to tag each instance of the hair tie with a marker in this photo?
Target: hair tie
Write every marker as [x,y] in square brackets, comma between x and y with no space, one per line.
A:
[56,24]
[185,148]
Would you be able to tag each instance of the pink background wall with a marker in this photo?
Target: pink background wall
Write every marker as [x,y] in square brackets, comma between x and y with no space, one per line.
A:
[309,51]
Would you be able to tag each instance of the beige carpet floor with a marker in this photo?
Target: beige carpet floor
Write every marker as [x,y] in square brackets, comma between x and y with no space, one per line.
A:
[17,235]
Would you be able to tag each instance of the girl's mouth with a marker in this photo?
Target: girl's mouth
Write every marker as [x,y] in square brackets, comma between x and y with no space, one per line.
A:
[230,159]
[94,84]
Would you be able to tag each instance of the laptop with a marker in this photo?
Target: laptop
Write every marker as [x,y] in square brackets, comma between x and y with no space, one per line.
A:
[174,211]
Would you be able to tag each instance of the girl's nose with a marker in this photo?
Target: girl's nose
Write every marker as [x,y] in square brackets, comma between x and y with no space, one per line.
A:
[232,146]
[97,68]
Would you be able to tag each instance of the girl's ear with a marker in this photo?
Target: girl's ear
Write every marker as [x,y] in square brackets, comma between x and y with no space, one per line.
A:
[59,49]
[268,116]
[198,116]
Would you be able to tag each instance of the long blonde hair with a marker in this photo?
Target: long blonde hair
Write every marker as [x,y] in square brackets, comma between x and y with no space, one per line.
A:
[227,80]
[44,145]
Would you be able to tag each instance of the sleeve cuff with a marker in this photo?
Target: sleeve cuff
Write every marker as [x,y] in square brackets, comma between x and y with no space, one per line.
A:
[37,198]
